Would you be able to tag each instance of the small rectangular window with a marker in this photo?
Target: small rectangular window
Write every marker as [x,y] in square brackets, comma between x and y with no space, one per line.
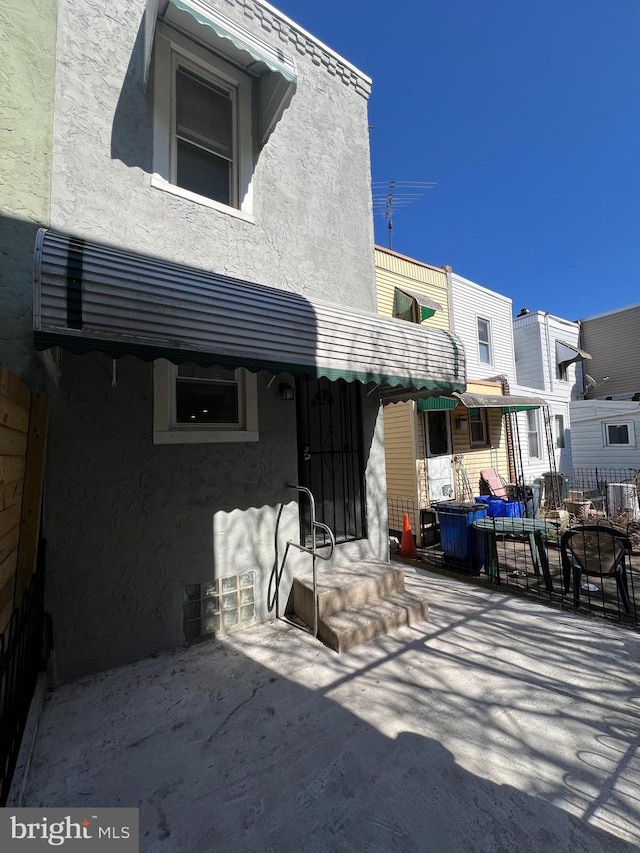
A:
[617,433]
[478,427]
[208,395]
[204,146]
[193,404]
[484,341]
[532,434]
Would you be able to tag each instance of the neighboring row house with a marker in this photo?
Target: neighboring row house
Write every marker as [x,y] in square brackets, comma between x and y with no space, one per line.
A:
[514,416]
[206,311]
[606,424]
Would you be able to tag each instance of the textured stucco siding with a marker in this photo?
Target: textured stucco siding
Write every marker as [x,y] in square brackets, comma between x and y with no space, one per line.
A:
[27,43]
[130,523]
[312,232]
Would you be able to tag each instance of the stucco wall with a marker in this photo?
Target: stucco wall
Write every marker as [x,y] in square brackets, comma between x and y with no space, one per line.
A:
[129,523]
[311,188]
[27,42]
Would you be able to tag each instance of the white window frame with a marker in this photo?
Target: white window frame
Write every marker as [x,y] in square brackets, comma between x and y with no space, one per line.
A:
[166,430]
[484,421]
[488,343]
[630,434]
[532,415]
[172,50]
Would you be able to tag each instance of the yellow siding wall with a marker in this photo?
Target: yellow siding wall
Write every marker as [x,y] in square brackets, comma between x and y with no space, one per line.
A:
[400,460]
[475,459]
[394,270]
[403,429]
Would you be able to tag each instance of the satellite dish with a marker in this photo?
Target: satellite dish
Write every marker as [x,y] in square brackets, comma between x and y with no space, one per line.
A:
[591,382]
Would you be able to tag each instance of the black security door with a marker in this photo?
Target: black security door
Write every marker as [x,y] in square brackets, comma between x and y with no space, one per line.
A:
[330,456]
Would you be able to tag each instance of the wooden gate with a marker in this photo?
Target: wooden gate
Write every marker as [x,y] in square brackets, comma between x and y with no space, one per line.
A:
[23,426]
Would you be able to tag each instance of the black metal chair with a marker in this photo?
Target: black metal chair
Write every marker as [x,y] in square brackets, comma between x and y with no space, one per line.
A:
[595,550]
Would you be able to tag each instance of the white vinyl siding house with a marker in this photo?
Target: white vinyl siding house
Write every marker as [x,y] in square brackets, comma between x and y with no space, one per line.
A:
[482,319]
[605,433]
[541,341]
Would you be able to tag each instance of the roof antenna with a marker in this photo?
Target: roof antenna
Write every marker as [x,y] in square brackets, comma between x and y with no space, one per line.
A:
[398,194]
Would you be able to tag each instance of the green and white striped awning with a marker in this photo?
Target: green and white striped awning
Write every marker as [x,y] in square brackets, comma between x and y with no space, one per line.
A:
[94,297]
[506,403]
[204,22]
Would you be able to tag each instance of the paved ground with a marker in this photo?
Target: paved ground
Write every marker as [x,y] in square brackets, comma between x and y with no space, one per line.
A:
[499,725]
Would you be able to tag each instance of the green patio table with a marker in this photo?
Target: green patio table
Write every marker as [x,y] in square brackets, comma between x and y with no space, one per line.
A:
[532,528]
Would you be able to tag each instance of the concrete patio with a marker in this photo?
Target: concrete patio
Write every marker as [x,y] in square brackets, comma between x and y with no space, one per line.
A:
[498,725]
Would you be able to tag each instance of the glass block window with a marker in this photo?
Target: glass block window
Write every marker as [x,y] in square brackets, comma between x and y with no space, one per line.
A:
[219,606]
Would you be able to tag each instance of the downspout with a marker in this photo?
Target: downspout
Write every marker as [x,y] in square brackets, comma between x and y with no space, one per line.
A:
[447,271]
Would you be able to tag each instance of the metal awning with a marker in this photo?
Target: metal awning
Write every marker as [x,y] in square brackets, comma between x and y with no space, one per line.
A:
[568,353]
[412,306]
[200,20]
[437,404]
[94,297]
[507,403]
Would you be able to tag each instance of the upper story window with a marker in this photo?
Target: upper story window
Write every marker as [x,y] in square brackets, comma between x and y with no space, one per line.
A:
[205,159]
[219,92]
[203,136]
[484,341]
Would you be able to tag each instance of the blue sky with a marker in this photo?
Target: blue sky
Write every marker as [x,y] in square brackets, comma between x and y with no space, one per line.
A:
[527,118]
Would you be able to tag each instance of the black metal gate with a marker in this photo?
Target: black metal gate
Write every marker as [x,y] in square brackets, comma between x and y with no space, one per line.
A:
[330,456]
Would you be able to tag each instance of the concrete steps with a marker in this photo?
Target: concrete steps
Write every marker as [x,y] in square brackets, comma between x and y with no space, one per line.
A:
[357,602]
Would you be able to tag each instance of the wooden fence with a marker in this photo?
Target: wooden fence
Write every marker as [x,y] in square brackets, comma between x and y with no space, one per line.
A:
[23,427]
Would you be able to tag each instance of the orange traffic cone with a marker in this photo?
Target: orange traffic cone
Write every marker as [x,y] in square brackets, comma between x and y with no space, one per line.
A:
[407,545]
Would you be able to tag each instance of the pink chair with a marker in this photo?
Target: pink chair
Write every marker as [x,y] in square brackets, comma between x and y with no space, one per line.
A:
[493,483]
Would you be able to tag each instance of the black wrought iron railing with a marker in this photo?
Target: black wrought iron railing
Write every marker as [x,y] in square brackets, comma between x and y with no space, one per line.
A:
[21,659]
[594,569]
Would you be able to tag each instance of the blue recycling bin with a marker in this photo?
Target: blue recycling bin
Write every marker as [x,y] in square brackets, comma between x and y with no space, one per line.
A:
[460,543]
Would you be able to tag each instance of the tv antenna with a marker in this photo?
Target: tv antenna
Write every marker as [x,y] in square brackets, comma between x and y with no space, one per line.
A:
[392,195]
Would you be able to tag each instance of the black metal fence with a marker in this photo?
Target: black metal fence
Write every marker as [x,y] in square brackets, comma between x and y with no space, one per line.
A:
[593,485]
[592,568]
[21,658]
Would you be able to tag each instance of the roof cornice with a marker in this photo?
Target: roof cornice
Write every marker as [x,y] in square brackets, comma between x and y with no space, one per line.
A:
[272,20]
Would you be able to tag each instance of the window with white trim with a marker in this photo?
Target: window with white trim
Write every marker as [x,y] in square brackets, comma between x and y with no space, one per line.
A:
[484,341]
[478,431]
[620,434]
[203,135]
[193,404]
[533,434]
